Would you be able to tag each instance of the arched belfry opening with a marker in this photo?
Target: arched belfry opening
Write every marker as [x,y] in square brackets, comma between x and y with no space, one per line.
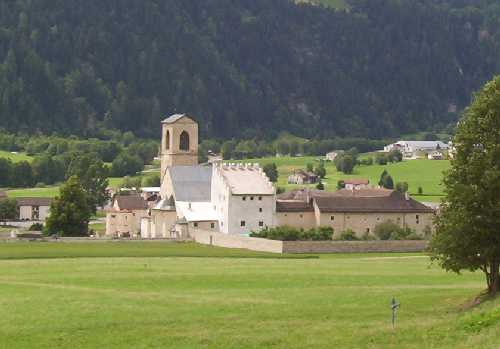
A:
[167,140]
[184,141]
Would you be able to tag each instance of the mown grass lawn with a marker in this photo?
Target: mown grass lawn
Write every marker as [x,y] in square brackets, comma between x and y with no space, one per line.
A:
[160,297]
[427,174]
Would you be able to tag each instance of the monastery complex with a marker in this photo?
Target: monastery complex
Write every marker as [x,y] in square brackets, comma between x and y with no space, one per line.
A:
[239,198]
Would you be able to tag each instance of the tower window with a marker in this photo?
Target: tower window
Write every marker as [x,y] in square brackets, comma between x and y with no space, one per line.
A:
[260,209]
[167,140]
[184,141]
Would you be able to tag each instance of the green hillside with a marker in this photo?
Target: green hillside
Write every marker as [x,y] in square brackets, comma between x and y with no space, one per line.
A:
[243,68]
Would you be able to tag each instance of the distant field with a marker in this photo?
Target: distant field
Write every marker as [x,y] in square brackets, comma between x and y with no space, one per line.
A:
[418,173]
[161,297]
[15,157]
[47,192]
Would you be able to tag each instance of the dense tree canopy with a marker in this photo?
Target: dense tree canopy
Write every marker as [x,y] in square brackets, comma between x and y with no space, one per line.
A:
[243,68]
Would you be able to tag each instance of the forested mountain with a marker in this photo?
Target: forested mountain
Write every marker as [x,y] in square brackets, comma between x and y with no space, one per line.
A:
[243,68]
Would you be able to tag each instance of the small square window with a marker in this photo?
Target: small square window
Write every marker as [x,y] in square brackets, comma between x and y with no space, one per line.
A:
[244,198]
[243,223]
[332,218]
[195,224]
[260,209]
[261,224]
[260,198]
[251,198]
[212,225]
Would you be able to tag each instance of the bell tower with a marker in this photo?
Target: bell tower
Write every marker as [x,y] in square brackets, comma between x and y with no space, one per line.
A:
[179,142]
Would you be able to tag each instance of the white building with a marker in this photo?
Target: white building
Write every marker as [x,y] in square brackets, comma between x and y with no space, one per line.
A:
[243,197]
[413,149]
[33,209]
[356,183]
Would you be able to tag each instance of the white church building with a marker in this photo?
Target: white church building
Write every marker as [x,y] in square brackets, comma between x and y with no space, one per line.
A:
[229,198]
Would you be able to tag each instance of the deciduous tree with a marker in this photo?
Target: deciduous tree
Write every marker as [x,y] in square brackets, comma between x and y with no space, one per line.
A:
[467,235]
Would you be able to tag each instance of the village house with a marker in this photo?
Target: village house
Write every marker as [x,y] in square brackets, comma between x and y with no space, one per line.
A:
[356,184]
[123,218]
[33,209]
[302,177]
[357,210]
[331,156]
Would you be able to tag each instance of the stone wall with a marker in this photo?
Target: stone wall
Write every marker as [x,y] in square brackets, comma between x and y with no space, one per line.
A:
[236,241]
[264,245]
[353,246]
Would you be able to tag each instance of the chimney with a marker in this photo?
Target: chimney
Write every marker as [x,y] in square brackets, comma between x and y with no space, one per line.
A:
[407,196]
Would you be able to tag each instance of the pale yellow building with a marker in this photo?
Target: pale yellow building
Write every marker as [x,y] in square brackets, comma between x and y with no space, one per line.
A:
[357,210]
[123,219]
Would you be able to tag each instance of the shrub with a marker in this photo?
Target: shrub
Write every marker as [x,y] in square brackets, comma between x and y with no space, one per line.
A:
[381,159]
[36,227]
[414,236]
[420,190]
[348,235]
[385,230]
[286,233]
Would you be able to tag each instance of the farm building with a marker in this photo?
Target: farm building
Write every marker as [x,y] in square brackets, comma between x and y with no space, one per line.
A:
[356,183]
[415,149]
[33,209]
[302,177]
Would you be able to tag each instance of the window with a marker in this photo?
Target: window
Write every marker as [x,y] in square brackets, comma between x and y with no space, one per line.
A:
[261,224]
[212,225]
[195,224]
[244,198]
[368,230]
[184,141]
[260,209]
[301,216]
[251,198]
[332,218]
[417,218]
[167,140]
[260,198]
[243,223]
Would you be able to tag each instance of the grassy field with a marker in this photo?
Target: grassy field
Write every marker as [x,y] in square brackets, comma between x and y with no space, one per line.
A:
[334,301]
[418,173]
[45,192]
[15,157]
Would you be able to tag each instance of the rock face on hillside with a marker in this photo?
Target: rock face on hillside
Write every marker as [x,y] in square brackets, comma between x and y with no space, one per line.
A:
[246,68]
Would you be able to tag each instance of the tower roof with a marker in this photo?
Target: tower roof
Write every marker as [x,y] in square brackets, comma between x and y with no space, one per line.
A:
[176,117]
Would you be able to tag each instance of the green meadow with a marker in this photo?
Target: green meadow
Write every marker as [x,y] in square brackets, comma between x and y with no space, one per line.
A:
[44,192]
[15,157]
[424,173]
[172,295]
